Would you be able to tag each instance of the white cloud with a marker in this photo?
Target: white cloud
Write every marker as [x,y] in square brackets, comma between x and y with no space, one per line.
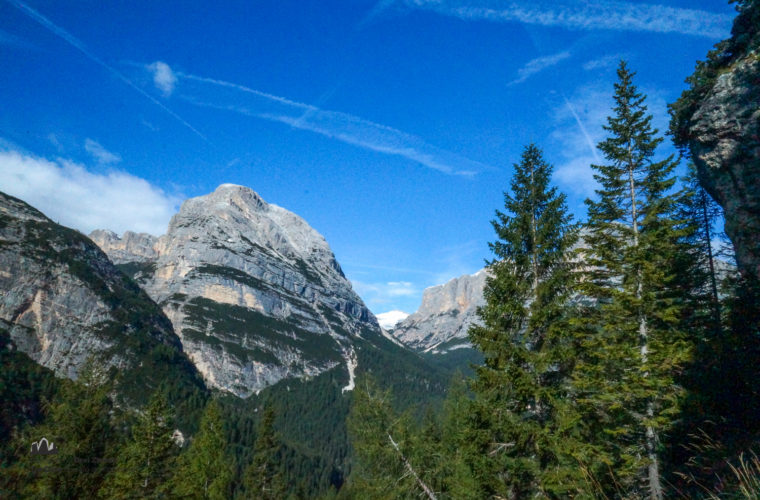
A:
[163,77]
[73,196]
[336,125]
[599,14]
[100,154]
[539,64]
[389,319]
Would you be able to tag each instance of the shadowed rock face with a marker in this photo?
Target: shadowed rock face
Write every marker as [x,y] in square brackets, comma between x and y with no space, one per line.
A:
[718,120]
[725,146]
[254,292]
[63,301]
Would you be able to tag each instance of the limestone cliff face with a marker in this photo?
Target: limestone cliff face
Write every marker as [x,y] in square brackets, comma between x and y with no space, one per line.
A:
[718,119]
[447,311]
[254,292]
[726,150]
[63,301]
[131,247]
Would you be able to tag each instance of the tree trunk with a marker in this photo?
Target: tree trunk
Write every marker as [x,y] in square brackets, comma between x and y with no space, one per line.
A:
[653,471]
[409,469]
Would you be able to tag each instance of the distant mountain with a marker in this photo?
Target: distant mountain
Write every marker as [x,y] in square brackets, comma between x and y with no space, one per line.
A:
[255,294]
[440,324]
[64,302]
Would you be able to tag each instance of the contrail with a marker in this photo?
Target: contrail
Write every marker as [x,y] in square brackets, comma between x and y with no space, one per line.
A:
[583,129]
[343,127]
[81,47]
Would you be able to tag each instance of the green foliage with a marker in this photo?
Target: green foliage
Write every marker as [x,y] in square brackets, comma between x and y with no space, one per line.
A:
[24,385]
[137,330]
[78,424]
[373,426]
[263,478]
[632,344]
[145,464]
[235,326]
[522,388]
[140,272]
[205,469]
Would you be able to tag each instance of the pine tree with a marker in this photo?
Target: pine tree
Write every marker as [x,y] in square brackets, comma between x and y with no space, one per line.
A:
[522,388]
[263,477]
[632,346]
[145,464]
[205,470]
[699,212]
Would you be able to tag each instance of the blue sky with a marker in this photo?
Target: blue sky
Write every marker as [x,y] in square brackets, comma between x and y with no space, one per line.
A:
[391,126]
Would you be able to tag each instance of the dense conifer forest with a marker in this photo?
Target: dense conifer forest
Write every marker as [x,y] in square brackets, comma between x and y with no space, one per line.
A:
[619,360]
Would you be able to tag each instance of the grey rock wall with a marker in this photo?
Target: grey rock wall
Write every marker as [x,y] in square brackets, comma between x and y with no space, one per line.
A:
[445,315]
[255,293]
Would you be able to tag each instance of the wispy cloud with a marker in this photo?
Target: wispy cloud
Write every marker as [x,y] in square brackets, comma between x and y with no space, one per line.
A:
[336,125]
[376,267]
[81,47]
[578,129]
[72,195]
[383,295]
[602,62]
[539,64]
[593,15]
[582,128]
[163,77]
[380,7]
[100,154]
[456,260]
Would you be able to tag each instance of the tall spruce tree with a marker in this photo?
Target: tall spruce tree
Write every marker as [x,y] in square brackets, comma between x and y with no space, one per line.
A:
[145,464]
[521,390]
[205,470]
[632,346]
[699,212]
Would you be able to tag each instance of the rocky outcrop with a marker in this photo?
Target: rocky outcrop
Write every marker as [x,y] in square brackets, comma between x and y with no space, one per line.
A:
[447,311]
[131,247]
[63,302]
[254,292]
[718,119]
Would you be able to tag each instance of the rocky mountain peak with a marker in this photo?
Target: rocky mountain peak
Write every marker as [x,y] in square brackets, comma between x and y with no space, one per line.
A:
[237,215]
[253,291]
